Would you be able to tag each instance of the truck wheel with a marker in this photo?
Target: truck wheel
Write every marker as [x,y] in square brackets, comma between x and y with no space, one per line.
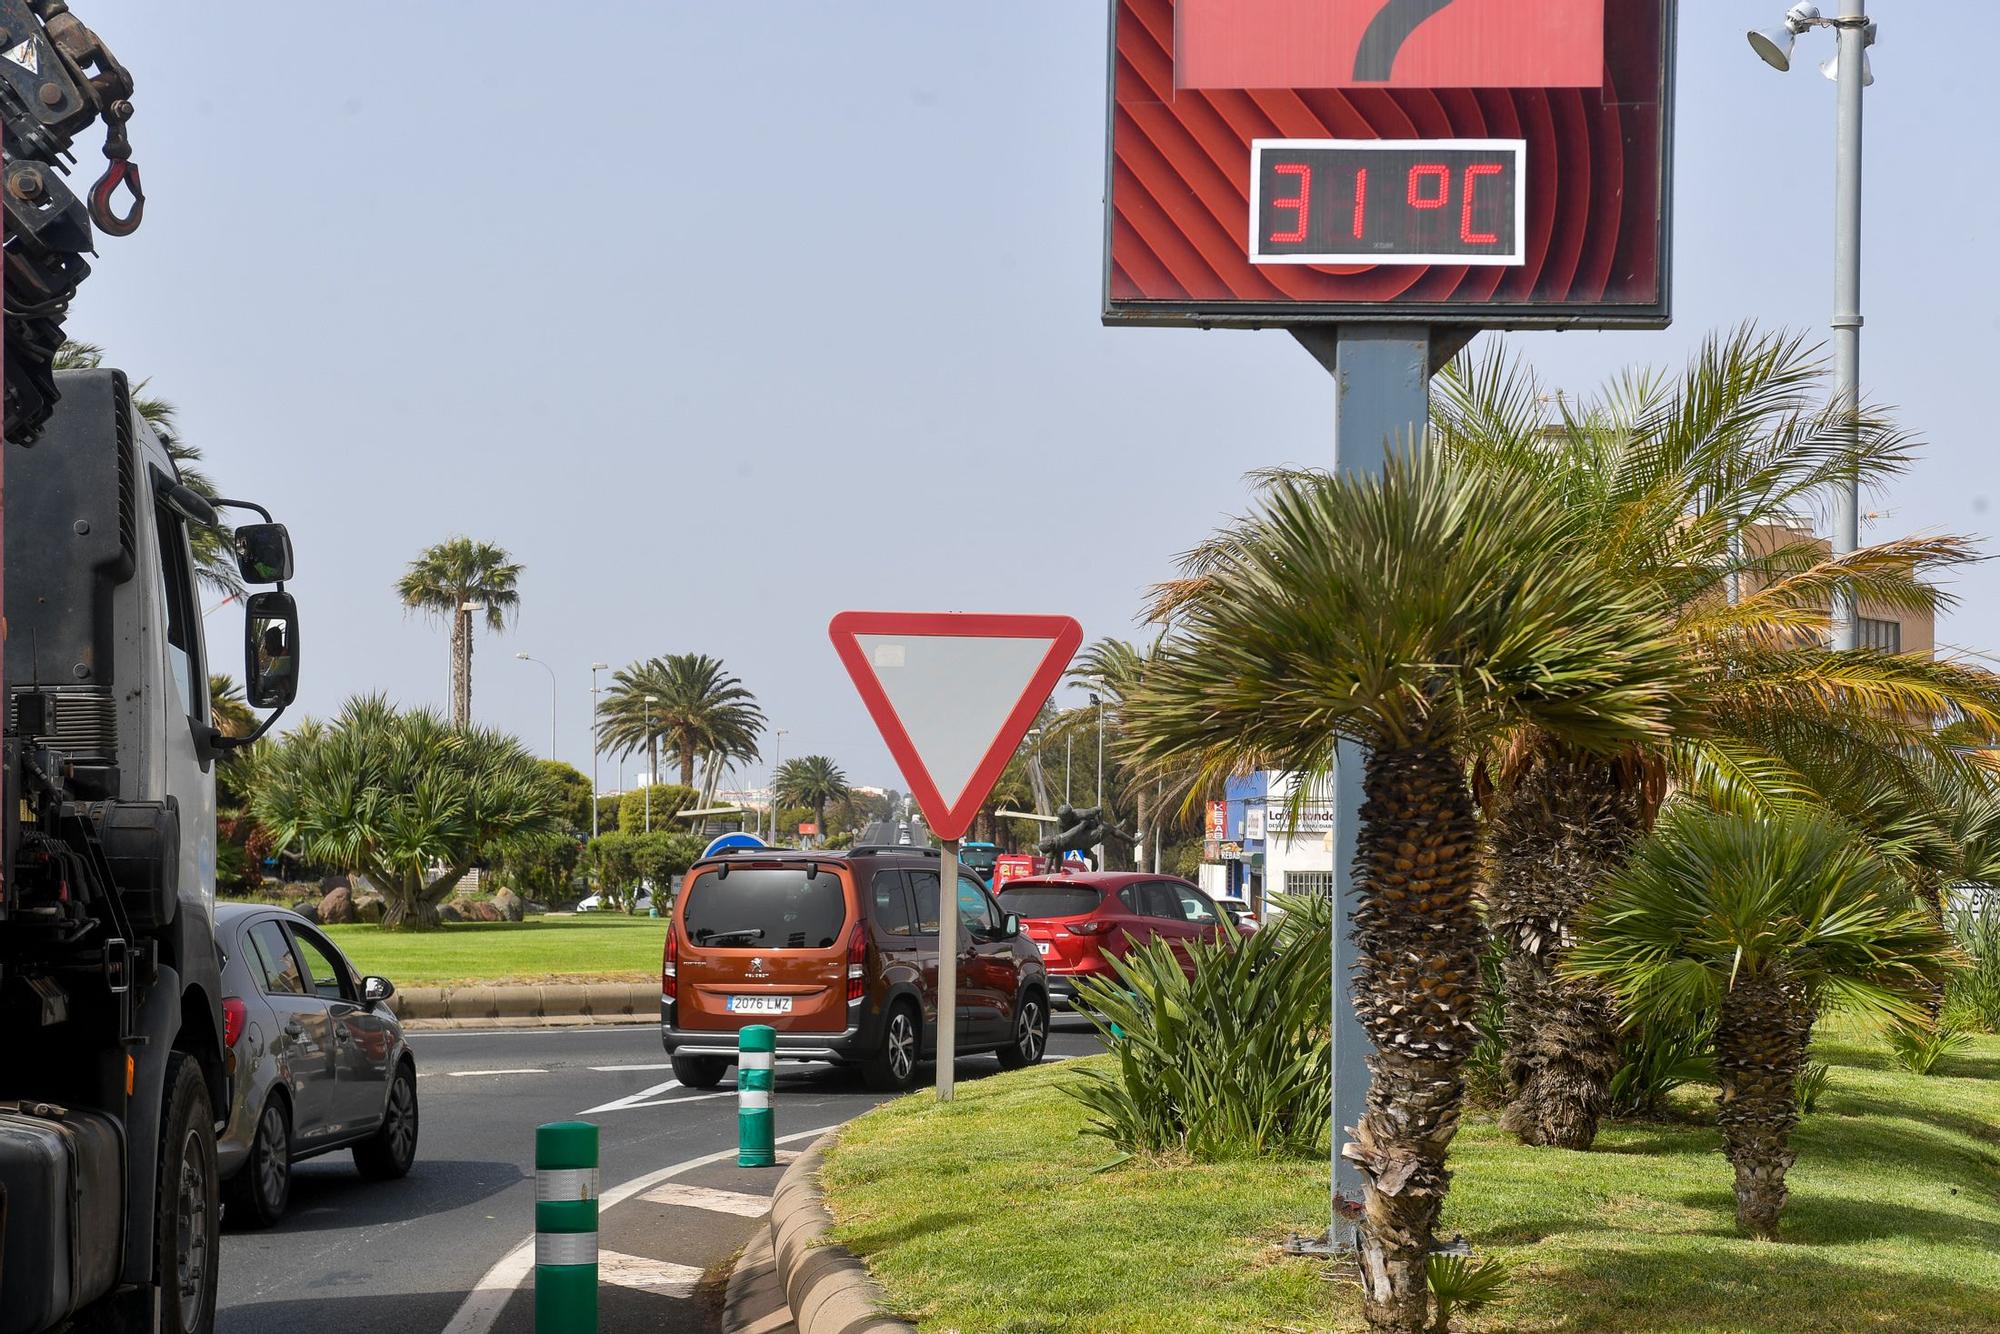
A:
[189,1213]
[388,1156]
[893,1068]
[700,1072]
[260,1191]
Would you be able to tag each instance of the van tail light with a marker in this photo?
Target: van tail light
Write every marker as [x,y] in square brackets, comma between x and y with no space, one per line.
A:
[669,961]
[235,1015]
[1089,928]
[857,962]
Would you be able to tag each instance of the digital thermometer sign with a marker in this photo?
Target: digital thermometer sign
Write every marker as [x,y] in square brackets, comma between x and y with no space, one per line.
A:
[1388,201]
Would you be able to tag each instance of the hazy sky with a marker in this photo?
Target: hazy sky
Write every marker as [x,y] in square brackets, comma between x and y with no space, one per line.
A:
[723,317]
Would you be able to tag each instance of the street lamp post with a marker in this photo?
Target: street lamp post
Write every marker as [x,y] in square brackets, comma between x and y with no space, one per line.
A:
[652,758]
[552,701]
[777,754]
[595,668]
[1098,705]
[1854,33]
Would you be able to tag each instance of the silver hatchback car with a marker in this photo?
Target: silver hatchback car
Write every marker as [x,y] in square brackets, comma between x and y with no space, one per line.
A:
[318,1061]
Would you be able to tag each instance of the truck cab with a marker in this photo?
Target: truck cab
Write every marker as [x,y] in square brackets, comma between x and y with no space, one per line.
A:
[114,1063]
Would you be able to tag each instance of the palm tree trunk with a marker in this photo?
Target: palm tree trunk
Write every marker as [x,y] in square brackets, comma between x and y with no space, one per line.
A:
[1417,937]
[461,667]
[1560,831]
[1761,1035]
[404,904]
[1141,829]
[687,766]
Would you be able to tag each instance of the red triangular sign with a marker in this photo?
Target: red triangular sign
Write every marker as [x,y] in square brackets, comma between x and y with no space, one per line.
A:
[953,693]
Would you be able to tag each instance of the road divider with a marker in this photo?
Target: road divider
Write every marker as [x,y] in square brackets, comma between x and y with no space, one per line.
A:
[526,1005]
[756,1051]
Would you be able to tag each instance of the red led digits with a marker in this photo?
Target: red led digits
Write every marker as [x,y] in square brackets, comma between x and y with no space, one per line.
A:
[1301,202]
[1360,198]
[1465,232]
[1436,171]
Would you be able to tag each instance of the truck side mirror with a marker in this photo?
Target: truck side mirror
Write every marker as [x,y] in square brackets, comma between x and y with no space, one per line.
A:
[263,553]
[270,650]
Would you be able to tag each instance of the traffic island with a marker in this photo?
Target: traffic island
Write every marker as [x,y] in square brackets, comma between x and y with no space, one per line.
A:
[528,1006]
[998,1212]
[826,1289]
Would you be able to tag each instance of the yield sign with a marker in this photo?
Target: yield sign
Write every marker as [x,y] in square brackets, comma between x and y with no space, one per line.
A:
[953,693]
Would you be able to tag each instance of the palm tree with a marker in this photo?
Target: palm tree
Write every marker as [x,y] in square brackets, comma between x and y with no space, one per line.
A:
[406,799]
[214,556]
[810,780]
[228,708]
[1759,924]
[453,579]
[1111,669]
[1691,489]
[686,701]
[1418,613]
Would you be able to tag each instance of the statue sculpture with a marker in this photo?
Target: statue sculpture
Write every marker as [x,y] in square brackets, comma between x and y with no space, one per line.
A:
[1080,831]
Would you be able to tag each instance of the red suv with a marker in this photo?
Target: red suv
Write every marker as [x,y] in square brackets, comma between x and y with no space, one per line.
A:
[1080,922]
[838,951]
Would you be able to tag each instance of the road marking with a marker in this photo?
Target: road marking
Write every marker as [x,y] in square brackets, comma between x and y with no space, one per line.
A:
[468,1074]
[607,1069]
[631,1099]
[715,1201]
[488,1298]
[636,1271]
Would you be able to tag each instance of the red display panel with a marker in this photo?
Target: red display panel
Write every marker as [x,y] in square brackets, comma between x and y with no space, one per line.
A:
[1191,221]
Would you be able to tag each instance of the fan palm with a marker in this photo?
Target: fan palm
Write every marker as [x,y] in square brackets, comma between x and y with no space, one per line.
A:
[227,707]
[214,555]
[446,577]
[1417,613]
[810,780]
[1692,489]
[1758,923]
[688,702]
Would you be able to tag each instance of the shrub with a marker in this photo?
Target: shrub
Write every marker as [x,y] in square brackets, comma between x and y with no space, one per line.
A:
[1811,1085]
[667,798]
[1972,993]
[1231,1060]
[1919,1046]
[1486,1069]
[1460,1283]
[1658,1057]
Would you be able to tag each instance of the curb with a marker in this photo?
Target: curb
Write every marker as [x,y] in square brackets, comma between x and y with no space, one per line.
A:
[599,1002]
[754,1302]
[827,1286]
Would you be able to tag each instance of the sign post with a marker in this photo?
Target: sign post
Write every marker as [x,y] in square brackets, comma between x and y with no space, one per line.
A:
[953,694]
[1385,178]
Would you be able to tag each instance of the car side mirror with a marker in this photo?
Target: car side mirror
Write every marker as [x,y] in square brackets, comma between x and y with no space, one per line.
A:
[270,650]
[263,553]
[375,990]
[1011,927]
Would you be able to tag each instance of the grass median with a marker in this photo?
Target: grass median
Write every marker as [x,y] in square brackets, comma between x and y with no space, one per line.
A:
[987,1215]
[595,947]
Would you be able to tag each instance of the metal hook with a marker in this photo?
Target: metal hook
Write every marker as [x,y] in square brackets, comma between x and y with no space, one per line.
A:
[125,172]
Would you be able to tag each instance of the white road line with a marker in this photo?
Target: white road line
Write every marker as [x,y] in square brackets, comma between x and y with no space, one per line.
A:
[631,1099]
[488,1298]
[467,1074]
[705,1197]
[607,1069]
[636,1271]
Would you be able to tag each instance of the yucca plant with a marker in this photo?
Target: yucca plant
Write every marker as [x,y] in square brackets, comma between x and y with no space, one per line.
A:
[1227,1058]
[1693,488]
[1920,1044]
[1419,613]
[1759,925]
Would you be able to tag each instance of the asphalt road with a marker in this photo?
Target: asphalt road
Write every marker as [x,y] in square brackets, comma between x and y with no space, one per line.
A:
[354,1257]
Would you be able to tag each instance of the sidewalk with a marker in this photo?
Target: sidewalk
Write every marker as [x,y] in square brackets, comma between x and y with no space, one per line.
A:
[664,1255]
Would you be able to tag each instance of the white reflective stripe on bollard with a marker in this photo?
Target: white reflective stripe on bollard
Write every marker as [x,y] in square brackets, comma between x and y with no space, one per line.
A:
[565,1248]
[753,1100]
[753,1060]
[565,1183]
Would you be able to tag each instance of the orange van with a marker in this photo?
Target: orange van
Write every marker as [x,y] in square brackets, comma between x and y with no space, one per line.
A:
[838,952]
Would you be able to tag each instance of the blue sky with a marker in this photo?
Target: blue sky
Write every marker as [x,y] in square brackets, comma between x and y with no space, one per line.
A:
[723,317]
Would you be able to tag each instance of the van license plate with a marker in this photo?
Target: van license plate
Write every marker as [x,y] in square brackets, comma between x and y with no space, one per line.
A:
[760,1004]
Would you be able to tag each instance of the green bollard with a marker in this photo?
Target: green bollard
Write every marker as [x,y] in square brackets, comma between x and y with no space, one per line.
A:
[756,1143]
[566,1228]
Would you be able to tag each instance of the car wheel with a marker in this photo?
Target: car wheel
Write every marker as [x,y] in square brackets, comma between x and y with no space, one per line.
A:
[700,1072]
[1031,1034]
[259,1193]
[893,1068]
[389,1154]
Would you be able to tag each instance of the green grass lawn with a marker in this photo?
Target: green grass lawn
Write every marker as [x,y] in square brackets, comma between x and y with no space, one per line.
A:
[594,947]
[986,1215]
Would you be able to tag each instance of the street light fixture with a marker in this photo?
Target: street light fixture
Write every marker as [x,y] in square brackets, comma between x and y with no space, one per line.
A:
[595,668]
[552,698]
[652,757]
[1854,33]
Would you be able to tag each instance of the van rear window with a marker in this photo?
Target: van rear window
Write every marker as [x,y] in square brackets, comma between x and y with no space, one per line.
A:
[1048,900]
[764,908]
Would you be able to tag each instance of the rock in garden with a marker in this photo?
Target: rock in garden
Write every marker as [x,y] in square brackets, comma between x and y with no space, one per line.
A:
[448,912]
[369,907]
[336,909]
[508,903]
